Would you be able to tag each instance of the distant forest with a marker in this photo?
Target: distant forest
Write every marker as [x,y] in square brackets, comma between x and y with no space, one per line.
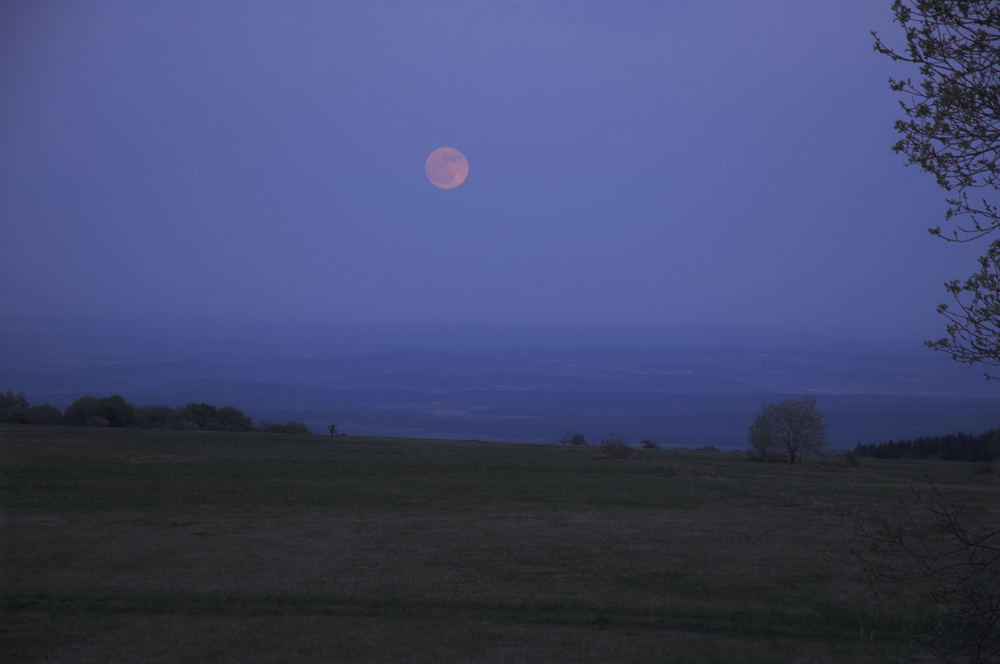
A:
[953,447]
[115,411]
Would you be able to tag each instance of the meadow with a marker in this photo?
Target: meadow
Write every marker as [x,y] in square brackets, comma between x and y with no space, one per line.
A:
[143,545]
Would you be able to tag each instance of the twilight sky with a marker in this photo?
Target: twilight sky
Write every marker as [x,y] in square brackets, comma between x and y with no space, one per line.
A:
[637,163]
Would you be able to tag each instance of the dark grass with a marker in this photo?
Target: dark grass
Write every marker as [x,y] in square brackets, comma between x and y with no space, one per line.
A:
[164,546]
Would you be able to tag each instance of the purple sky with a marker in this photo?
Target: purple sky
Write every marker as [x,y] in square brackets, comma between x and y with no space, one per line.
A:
[637,163]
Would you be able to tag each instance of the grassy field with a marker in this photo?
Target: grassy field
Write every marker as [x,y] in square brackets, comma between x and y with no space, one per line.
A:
[137,545]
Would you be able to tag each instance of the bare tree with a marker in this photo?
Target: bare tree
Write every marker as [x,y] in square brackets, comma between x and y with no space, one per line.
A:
[762,442]
[933,558]
[951,129]
[796,425]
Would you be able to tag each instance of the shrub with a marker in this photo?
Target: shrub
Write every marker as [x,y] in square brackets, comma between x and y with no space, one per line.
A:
[573,438]
[156,416]
[112,411]
[614,447]
[44,414]
[649,445]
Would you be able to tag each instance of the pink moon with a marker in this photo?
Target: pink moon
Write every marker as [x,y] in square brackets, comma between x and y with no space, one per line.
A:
[446,168]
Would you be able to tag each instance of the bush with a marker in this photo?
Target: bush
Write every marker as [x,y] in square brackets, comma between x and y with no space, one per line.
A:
[649,445]
[13,408]
[155,416]
[229,418]
[614,447]
[573,438]
[113,411]
[44,414]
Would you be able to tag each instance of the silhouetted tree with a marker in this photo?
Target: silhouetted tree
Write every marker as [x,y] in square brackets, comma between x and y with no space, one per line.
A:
[796,425]
[44,414]
[157,416]
[951,447]
[81,412]
[613,447]
[229,418]
[974,323]
[932,555]
[13,408]
[203,415]
[117,411]
[112,411]
[573,438]
[762,441]
[951,129]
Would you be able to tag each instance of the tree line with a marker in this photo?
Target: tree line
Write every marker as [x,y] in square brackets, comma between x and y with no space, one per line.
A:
[116,411]
[952,447]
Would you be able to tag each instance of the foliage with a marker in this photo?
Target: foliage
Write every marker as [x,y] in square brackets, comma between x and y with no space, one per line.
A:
[332,429]
[933,557]
[613,447]
[763,445]
[953,447]
[974,324]
[156,416]
[113,411]
[649,445]
[951,129]
[795,425]
[116,411]
[208,417]
[573,438]
[14,409]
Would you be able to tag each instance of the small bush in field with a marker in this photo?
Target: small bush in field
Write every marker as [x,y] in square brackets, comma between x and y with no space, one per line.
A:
[574,438]
[613,447]
[649,445]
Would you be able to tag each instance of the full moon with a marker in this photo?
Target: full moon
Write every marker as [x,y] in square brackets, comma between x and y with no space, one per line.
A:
[446,168]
